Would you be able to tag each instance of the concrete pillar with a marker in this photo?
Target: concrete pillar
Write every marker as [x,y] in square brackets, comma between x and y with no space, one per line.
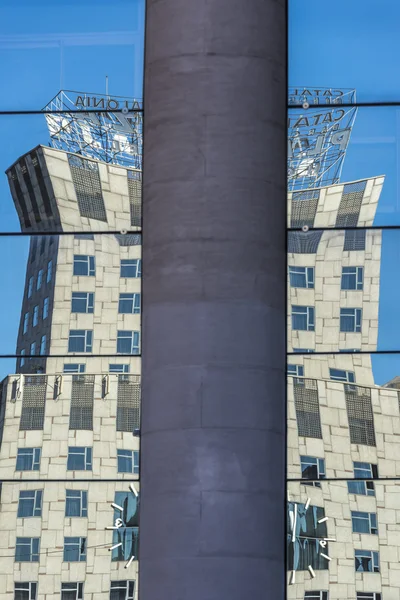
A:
[213,403]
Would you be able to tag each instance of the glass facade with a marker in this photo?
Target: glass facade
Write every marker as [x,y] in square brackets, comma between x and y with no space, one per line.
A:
[71,121]
[343,223]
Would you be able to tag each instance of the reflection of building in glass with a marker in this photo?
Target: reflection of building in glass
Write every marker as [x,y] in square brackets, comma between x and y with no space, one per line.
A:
[72,411]
[340,424]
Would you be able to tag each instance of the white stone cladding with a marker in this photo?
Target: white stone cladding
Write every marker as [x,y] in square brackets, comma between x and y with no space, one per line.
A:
[96,572]
[329,435]
[46,200]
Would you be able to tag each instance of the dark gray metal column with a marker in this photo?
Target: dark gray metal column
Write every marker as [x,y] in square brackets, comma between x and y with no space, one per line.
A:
[213,401]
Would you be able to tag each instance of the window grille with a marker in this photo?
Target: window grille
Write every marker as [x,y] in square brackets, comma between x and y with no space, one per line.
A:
[307,408]
[304,208]
[304,243]
[350,204]
[82,397]
[86,180]
[33,402]
[354,239]
[128,403]
[130,239]
[360,415]
[135,197]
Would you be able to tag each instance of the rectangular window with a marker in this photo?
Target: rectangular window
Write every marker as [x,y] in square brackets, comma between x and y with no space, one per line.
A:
[74,549]
[312,468]
[366,561]
[32,350]
[339,375]
[84,265]
[360,415]
[354,239]
[45,313]
[42,244]
[35,316]
[25,590]
[368,595]
[82,302]
[33,402]
[75,368]
[128,461]
[350,320]
[296,370]
[304,208]
[363,522]
[27,549]
[303,350]
[79,458]
[39,279]
[129,304]
[30,504]
[80,340]
[363,471]
[128,342]
[22,359]
[26,323]
[76,504]
[315,595]
[131,267]
[128,403]
[352,278]
[307,408]
[30,286]
[82,398]
[43,345]
[303,318]
[49,271]
[72,591]
[28,459]
[122,590]
[301,277]
[119,368]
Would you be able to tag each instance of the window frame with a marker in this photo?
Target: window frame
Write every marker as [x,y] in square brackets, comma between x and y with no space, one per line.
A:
[90,263]
[86,452]
[357,316]
[83,503]
[86,335]
[79,369]
[25,325]
[349,376]
[137,267]
[134,300]
[33,542]
[372,555]
[35,315]
[308,312]
[79,589]
[134,335]
[49,273]
[357,273]
[45,309]
[312,461]
[309,277]
[36,456]
[129,588]
[37,497]
[39,280]
[370,519]
[31,283]
[82,541]
[43,345]
[85,297]
[31,589]
[133,458]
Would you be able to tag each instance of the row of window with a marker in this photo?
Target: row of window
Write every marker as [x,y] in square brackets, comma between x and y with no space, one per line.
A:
[35,315]
[303,319]
[40,278]
[33,350]
[85,265]
[79,459]
[334,374]
[314,468]
[83,302]
[81,368]
[119,590]
[320,595]
[81,340]
[304,277]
